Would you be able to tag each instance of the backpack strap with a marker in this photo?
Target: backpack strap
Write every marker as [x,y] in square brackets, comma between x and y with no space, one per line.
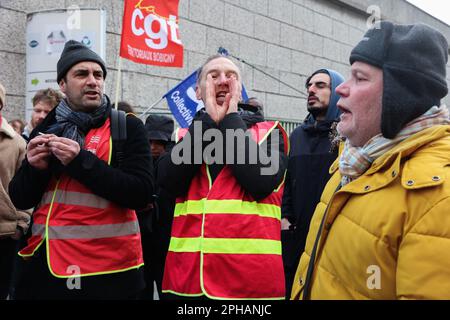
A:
[118,135]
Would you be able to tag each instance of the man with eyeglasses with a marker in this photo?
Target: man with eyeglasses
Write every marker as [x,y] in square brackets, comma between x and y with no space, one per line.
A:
[309,159]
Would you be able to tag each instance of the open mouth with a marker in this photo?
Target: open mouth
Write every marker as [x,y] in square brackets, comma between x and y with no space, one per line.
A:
[343,109]
[220,96]
[92,94]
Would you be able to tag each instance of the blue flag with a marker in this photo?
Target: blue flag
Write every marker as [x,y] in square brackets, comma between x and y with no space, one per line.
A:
[183,102]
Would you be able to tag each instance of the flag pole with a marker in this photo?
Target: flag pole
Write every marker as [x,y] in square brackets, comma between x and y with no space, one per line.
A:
[148,109]
[118,83]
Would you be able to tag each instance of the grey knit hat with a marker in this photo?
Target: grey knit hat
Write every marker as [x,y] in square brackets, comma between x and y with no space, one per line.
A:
[413,59]
[73,53]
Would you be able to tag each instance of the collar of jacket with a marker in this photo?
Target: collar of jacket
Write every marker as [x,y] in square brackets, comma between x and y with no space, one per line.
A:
[7,129]
[425,166]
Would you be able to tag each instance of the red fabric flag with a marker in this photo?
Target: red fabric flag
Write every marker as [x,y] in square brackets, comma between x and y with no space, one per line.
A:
[150,33]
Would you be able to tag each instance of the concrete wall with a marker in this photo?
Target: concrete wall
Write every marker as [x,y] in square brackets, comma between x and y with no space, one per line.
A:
[288,39]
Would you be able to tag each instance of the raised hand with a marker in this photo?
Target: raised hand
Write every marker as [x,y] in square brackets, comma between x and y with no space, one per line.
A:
[234,96]
[222,95]
[64,149]
[38,151]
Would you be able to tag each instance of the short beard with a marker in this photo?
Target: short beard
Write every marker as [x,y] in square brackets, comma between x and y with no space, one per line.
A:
[317,111]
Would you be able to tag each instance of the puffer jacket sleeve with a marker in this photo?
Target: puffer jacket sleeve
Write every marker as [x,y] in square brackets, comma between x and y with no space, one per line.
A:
[423,269]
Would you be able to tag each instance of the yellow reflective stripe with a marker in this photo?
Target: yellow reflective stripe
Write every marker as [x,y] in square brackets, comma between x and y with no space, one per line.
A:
[204,293]
[225,245]
[188,207]
[268,132]
[228,207]
[75,198]
[32,253]
[208,174]
[36,230]
[110,151]
[184,294]
[184,244]
[47,244]
[281,183]
[92,273]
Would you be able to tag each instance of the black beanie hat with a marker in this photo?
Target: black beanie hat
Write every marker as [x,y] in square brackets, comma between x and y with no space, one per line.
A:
[159,127]
[413,59]
[73,53]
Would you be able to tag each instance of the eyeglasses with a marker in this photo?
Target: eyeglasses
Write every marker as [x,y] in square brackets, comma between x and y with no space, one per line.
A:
[318,85]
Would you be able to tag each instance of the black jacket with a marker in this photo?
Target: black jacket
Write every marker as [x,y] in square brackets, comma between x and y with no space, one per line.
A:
[309,161]
[176,178]
[130,186]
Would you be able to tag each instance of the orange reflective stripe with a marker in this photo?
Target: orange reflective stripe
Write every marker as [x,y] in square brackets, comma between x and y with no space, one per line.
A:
[88,232]
[76,199]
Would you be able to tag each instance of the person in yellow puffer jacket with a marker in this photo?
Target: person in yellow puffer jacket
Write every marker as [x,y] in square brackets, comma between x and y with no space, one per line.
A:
[382,227]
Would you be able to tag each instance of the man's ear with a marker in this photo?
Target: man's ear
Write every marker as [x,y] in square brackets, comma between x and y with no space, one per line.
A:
[62,85]
[198,92]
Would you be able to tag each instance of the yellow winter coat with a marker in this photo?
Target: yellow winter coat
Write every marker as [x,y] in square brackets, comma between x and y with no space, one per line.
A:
[386,234]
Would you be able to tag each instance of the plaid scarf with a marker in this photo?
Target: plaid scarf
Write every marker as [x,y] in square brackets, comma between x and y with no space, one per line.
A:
[354,161]
[75,125]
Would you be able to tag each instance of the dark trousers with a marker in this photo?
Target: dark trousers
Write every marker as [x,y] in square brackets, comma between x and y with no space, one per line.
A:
[147,293]
[289,275]
[154,258]
[8,250]
[291,257]
[35,282]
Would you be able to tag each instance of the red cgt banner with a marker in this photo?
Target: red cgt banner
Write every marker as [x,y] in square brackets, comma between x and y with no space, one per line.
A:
[150,33]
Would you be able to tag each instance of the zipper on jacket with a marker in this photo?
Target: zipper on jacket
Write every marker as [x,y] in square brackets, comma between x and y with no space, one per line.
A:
[310,270]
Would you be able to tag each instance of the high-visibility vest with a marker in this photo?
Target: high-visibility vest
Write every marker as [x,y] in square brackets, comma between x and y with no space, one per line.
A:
[224,244]
[85,234]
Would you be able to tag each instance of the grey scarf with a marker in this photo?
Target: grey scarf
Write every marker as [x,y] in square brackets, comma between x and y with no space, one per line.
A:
[75,125]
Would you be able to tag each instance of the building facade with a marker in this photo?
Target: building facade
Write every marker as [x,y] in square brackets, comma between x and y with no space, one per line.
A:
[287,39]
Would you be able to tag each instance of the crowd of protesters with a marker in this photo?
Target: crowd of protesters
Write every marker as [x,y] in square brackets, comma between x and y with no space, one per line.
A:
[96,204]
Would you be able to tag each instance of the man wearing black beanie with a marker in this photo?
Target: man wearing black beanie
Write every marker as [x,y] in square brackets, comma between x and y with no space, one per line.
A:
[381,230]
[85,241]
